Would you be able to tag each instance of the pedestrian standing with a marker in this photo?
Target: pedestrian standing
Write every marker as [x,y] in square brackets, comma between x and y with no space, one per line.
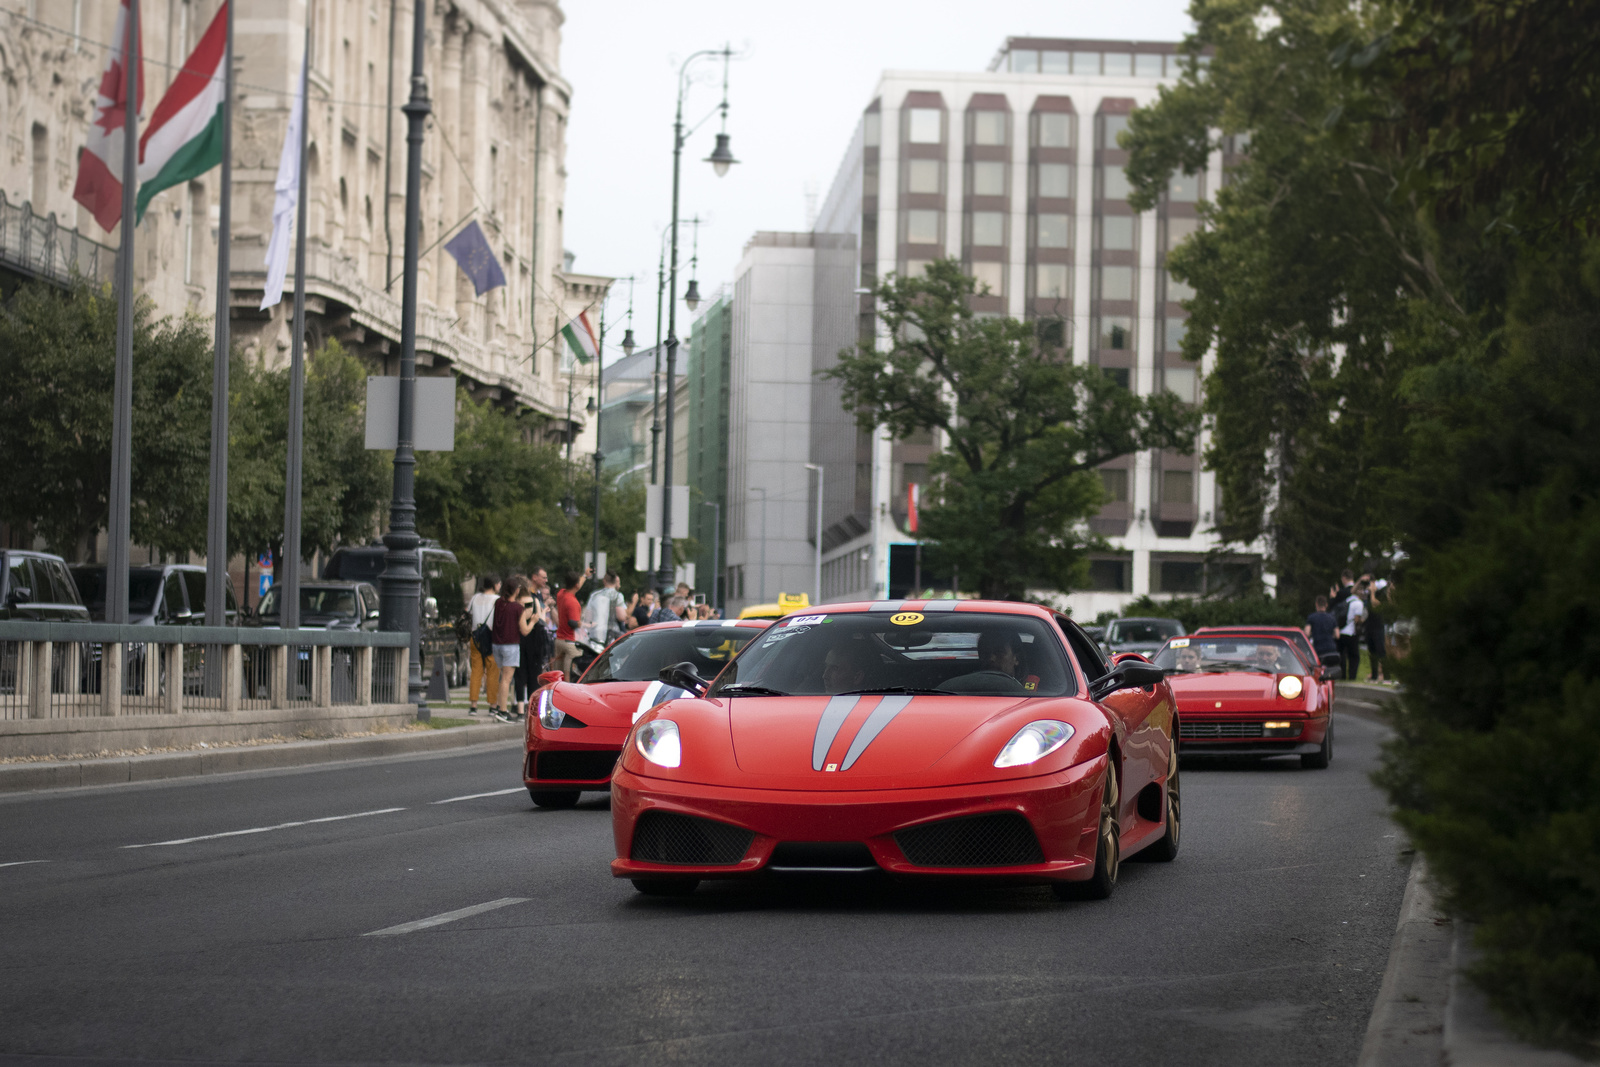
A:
[1349,640]
[479,610]
[1322,631]
[544,619]
[512,619]
[1374,630]
[569,616]
[672,611]
[606,615]
[533,654]
[644,608]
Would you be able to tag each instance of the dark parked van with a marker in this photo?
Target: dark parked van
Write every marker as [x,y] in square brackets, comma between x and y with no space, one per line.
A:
[37,586]
[169,594]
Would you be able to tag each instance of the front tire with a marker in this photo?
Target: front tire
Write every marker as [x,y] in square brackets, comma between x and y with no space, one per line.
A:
[554,801]
[1107,852]
[1319,760]
[1166,849]
[666,887]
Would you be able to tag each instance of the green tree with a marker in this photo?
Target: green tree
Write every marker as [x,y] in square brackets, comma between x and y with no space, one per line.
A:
[343,485]
[1024,426]
[57,354]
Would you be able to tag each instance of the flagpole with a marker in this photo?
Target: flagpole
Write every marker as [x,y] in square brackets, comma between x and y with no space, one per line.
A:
[217,516]
[289,599]
[119,530]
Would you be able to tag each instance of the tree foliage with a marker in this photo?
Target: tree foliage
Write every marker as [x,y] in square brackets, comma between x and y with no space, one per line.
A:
[57,354]
[1024,429]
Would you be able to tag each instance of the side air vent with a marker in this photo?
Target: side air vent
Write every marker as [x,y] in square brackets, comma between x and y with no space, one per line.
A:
[1003,839]
[668,837]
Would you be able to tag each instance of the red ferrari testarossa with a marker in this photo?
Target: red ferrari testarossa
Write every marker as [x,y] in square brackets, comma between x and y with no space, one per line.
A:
[940,737]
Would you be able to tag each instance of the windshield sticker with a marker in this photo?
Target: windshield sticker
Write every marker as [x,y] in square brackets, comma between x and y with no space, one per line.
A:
[1179,642]
[804,620]
[786,633]
[906,618]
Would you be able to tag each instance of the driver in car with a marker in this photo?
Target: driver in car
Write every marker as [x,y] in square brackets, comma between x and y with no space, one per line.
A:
[846,666]
[1188,659]
[1266,657]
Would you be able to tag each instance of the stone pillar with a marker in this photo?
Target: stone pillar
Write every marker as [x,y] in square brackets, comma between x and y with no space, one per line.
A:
[172,658]
[280,676]
[402,668]
[363,657]
[111,663]
[322,676]
[232,676]
[38,679]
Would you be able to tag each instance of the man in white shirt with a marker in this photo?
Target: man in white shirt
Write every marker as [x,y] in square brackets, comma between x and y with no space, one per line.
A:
[606,614]
[1349,645]
[480,609]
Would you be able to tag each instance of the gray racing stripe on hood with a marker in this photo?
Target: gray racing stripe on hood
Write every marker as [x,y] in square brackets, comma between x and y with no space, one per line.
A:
[833,717]
[940,605]
[881,716]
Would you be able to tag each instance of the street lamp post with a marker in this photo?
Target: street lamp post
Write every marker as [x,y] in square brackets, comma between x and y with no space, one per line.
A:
[720,159]
[401,583]
[816,577]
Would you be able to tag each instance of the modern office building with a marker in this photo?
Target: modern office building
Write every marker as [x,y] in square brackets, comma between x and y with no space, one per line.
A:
[1016,172]
[705,433]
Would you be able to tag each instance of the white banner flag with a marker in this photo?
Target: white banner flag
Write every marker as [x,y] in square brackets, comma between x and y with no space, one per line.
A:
[285,194]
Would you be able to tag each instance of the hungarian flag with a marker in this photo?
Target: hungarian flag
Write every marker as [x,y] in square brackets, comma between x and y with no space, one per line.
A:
[580,334]
[184,137]
[99,186]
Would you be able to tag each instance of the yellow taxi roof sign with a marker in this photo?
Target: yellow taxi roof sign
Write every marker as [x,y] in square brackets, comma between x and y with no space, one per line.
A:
[791,601]
[786,603]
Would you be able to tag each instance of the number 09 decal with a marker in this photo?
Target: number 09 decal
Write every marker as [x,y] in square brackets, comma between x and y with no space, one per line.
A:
[906,618]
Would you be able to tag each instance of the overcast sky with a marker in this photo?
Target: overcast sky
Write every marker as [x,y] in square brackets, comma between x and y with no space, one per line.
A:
[808,70]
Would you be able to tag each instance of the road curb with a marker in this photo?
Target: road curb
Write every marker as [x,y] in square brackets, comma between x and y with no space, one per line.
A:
[31,777]
[1407,1024]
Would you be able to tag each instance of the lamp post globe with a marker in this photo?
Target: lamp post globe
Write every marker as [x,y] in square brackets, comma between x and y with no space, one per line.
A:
[721,157]
[628,343]
[691,296]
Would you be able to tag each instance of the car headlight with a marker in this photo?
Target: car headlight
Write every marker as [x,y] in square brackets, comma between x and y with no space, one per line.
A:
[1034,742]
[1289,686]
[657,741]
[550,716]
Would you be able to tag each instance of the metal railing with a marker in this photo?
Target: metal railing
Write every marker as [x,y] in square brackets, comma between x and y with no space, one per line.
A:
[64,670]
[43,248]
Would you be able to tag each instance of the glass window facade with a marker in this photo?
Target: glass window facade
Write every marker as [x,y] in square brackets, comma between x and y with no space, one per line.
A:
[1116,283]
[925,126]
[989,127]
[871,129]
[1177,487]
[1025,61]
[992,275]
[1183,383]
[1052,281]
[988,228]
[1113,183]
[988,178]
[1055,62]
[1184,188]
[1055,180]
[922,176]
[1118,63]
[1176,328]
[1055,129]
[1086,62]
[1110,127]
[1055,231]
[1177,290]
[1116,332]
[1117,233]
[1147,66]
[1115,483]
[922,227]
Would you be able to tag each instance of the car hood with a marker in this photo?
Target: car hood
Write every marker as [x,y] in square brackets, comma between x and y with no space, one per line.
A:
[611,703]
[1236,690]
[865,742]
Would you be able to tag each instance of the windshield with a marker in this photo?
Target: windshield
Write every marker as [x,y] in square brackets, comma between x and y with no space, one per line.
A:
[1269,655]
[639,656]
[946,652]
[1143,631]
[143,585]
[314,601]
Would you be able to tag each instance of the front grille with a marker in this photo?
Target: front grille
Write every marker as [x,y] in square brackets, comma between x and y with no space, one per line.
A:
[822,856]
[668,837]
[576,766]
[1004,839]
[1189,730]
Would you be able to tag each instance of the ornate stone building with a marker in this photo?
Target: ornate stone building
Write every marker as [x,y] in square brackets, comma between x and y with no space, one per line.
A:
[494,152]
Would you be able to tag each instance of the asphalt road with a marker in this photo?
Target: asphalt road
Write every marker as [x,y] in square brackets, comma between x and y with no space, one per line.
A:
[1264,943]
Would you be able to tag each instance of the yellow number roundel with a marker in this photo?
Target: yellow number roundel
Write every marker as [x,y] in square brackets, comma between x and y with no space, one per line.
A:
[906,618]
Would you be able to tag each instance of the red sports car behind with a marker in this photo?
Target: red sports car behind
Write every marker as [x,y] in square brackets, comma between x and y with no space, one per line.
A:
[942,737]
[1249,694]
[576,730]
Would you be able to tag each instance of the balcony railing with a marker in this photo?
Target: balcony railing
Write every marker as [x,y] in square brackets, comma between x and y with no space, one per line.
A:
[65,670]
[43,248]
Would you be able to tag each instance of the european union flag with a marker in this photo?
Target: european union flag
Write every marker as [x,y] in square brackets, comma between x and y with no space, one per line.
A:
[472,254]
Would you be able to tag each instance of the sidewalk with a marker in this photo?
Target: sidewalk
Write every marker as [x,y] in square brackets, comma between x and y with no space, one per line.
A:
[1427,1012]
[65,774]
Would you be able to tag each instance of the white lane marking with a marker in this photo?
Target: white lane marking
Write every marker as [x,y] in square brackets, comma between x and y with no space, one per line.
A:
[480,796]
[22,863]
[264,829]
[446,917]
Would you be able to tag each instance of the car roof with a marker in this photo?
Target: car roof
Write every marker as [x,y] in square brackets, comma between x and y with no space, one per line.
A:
[709,624]
[1276,631]
[989,607]
[1146,618]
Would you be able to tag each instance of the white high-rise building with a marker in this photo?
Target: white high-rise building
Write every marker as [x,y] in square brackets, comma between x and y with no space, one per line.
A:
[1016,172]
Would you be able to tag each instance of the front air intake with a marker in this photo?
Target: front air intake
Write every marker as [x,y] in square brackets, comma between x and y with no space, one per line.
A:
[1003,839]
[668,837]
[569,765]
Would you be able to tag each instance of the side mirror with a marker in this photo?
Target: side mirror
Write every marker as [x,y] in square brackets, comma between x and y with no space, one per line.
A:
[20,594]
[551,676]
[1129,674]
[684,676]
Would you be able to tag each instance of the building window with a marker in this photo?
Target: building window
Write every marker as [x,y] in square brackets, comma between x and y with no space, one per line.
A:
[923,176]
[989,127]
[1025,62]
[1055,129]
[1116,283]
[1182,382]
[1055,62]
[1184,188]
[1146,65]
[1051,281]
[1055,231]
[1119,375]
[41,169]
[1110,575]
[1086,62]
[1052,333]
[1116,332]
[1110,126]
[992,275]
[1115,483]
[1177,290]
[1113,183]
[988,229]
[988,178]
[922,227]
[1176,328]
[1119,63]
[916,268]
[1178,229]
[926,125]
[1116,233]
[871,129]
[1177,576]
[1055,179]
[1177,487]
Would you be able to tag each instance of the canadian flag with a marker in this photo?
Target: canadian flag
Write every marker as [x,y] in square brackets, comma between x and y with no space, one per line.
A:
[99,186]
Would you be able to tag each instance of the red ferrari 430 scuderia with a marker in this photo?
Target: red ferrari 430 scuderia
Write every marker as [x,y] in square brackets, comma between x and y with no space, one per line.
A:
[941,737]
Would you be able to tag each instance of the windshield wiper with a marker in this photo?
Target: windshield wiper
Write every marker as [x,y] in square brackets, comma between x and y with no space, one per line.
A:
[891,689]
[736,689]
